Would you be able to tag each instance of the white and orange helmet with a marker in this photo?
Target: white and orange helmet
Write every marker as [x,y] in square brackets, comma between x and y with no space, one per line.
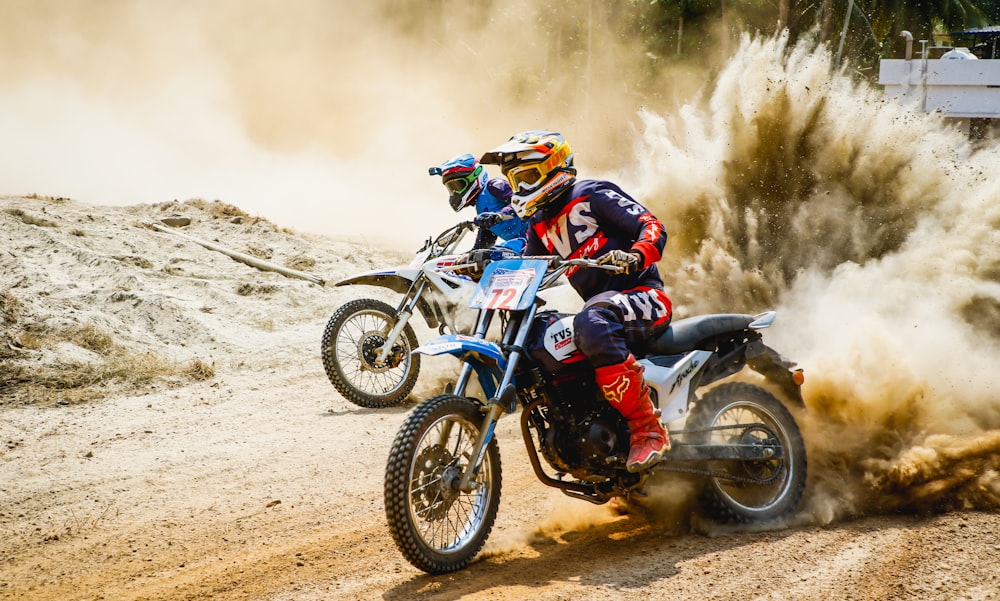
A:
[538,164]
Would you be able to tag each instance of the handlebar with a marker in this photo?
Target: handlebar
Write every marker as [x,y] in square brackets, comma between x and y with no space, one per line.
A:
[557,266]
[443,242]
[560,262]
[452,235]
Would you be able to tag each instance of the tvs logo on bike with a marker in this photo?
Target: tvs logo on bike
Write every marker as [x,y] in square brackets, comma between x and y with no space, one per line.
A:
[559,339]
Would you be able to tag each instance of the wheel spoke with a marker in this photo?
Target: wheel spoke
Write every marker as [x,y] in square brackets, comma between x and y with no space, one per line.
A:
[351,343]
[757,495]
[447,516]
[368,329]
[436,525]
[758,491]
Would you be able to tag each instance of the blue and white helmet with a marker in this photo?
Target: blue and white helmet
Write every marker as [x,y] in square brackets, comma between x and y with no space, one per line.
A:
[464,178]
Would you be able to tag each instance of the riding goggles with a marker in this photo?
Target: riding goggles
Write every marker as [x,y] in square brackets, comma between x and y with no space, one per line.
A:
[525,178]
[458,185]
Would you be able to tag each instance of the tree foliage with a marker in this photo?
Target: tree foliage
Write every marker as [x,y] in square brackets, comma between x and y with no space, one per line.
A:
[872,29]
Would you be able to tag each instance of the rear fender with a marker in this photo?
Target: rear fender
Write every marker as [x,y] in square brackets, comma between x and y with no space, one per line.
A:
[397,280]
[777,370]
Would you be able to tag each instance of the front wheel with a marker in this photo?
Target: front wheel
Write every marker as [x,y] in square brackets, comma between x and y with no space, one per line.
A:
[352,336]
[438,527]
[758,491]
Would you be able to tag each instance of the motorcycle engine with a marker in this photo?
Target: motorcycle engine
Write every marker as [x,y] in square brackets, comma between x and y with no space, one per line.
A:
[582,434]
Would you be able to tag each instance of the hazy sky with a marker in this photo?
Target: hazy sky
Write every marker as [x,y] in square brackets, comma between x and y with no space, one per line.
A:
[322,115]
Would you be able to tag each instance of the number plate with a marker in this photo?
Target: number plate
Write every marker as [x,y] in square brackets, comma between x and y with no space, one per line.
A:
[510,284]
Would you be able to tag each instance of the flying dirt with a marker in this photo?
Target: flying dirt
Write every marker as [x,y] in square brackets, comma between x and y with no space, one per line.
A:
[874,237]
[225,466]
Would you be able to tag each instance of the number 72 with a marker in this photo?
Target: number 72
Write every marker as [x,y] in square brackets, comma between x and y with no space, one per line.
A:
[503,298]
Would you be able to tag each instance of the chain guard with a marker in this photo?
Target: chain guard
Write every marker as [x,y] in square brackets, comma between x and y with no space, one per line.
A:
[748,465]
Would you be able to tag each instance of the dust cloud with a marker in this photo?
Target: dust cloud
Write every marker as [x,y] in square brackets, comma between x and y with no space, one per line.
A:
[873,231]
[321,115]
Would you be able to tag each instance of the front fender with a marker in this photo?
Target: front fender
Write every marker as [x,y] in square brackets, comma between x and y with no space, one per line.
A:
[486,358]
[466,348]
[398,280]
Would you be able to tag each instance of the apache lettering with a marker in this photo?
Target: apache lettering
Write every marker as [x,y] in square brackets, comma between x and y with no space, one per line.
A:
[681,376]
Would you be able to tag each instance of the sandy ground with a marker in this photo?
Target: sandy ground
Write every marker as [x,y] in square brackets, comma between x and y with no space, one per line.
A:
[261,482]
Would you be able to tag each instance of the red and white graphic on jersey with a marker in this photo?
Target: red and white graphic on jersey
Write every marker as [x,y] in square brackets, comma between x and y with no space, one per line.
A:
[651,304]
[573,233]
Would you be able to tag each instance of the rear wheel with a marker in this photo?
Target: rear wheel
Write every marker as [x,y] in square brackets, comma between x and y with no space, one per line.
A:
[352,336]
[437,526]
[757,491]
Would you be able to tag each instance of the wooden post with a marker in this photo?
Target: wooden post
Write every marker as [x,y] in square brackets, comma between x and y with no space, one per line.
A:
[241,257]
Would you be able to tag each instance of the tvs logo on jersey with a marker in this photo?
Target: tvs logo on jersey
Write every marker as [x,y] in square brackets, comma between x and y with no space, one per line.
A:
[649,303]
[572,227]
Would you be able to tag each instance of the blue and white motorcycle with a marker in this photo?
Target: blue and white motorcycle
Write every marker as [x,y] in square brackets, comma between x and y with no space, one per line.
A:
[367,344]
[442,479]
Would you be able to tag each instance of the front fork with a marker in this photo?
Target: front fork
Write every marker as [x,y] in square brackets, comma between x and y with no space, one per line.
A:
[403,315]
[503,401]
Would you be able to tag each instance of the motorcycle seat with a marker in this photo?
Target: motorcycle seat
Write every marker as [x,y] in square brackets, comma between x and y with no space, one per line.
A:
[685,334]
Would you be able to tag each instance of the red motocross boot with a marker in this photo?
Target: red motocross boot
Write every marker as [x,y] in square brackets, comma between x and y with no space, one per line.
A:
[623,387]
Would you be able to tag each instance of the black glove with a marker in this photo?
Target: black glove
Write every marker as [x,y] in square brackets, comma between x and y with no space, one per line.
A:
[488,220]
[474,264]
[479,258]
[627,261]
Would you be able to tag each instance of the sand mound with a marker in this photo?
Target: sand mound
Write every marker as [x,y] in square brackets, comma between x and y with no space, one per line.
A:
[93,299]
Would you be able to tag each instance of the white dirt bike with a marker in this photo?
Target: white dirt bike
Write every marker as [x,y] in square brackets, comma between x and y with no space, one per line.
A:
[442,478]
[367,344]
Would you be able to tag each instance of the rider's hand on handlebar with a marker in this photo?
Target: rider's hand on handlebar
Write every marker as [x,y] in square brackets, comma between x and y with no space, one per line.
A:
[627,261]
[479,258]
[488,220]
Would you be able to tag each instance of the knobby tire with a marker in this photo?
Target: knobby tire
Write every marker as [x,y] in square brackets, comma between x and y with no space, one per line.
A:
[349,333]
[782,481]
[436,527]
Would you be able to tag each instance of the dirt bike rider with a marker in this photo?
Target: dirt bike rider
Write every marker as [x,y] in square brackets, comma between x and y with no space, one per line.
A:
[469,184]
[595,219]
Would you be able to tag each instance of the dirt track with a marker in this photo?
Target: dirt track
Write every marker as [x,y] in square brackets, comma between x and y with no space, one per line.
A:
[270,488]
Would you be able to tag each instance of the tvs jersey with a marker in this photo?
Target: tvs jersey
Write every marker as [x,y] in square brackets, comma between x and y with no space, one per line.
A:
[589,219]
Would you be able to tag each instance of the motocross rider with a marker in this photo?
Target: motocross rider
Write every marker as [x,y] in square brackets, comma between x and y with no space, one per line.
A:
[468,183]
[596,219]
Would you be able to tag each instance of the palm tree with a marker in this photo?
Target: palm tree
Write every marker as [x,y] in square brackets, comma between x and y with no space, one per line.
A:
[890,17]
[873,25]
